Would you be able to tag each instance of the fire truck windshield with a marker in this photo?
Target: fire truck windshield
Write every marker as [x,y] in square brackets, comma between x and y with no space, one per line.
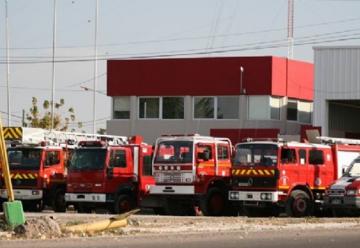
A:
[174,152]
[256,154]
[24,158]
[88,159]
[354,169]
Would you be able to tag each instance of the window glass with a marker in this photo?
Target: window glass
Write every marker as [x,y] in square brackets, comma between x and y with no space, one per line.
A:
[274,108]
[292,111]
[256,154]
[52,158]
[88,159]
[204,107]
[173,108]
[24,158]
[118,159]
[147,165]
[174,152]
[316,157]
[288,156]
[228,107]
[121,107]
[148,108]
[204,152]
[223,152]
[305,110]
[302,156]
[259,108]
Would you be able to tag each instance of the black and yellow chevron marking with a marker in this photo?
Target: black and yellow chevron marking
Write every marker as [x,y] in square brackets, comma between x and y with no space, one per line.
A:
[13,133]
[253,172]
[23,176]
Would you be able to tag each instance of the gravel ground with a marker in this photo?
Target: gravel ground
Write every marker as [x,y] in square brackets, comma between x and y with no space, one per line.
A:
[50,225]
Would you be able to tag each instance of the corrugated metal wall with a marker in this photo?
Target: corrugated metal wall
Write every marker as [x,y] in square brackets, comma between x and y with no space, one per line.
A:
[337,77]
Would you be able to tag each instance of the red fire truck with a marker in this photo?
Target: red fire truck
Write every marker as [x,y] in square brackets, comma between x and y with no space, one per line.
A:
[190,171]
[37,160]
[114,176]
[268,176]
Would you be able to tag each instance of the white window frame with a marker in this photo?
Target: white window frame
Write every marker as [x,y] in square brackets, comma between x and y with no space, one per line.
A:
[113,108]
[269,97]
[138,108]
[215,108]
[160,107]
[298,111]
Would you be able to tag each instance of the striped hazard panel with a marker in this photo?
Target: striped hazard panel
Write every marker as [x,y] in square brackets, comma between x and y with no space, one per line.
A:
[23,176]
[13,133]
[253,172]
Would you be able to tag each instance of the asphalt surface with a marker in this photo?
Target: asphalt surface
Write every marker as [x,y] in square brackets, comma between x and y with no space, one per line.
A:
[276,238]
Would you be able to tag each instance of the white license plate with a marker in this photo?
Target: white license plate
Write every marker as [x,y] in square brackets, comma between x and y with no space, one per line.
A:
[336,201]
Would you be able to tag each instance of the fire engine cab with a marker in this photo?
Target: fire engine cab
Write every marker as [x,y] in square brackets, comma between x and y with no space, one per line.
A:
[37,159]
[190,170]
[268,176]
[113,175]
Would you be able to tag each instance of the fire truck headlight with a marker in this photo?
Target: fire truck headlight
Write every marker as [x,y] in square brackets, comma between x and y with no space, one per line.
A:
[351,192]
[266,196]
[35,192]
[234,195]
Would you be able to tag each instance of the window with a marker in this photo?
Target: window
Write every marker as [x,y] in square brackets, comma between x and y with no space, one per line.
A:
[118,159]
[222,152]
[204,107]
[52,158]
[173,108]
[292,110]
[316,157]
[288,156]
[264,108]
[275,108]
[204,152]
[227,107]
[121,106]
[305,110]
[149,108]
[147,165]
[302,156]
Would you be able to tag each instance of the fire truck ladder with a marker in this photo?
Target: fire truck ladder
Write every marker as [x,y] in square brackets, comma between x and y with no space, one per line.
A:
[331,140]
[34,136]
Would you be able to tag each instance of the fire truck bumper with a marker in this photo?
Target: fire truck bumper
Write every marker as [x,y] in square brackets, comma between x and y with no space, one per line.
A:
[23,194]
[172,190]
[255,196]
[348,202]
[85,197]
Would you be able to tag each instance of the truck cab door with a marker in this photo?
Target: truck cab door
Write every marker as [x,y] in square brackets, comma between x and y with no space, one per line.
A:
[145,170]
[205,159]
[53,166]
[120,168]
[223,160]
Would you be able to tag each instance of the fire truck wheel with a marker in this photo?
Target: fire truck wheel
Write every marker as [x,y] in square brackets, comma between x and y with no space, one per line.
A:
[214,203]
[59,204]
[299,204]
[123,203]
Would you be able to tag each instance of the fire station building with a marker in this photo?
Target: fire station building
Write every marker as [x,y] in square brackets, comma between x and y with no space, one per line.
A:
[236,97]
[337,90]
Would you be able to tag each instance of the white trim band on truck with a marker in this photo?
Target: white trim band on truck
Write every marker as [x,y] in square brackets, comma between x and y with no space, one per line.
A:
[24,194]
[172,190]
[265,196]
[85,197]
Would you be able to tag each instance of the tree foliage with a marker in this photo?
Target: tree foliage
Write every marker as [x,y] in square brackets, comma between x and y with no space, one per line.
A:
[42,118]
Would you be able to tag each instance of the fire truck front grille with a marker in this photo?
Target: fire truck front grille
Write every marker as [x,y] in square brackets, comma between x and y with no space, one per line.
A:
[173,177]
[24,182]
[255,182]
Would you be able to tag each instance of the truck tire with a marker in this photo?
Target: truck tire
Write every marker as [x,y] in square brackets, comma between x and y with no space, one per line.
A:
[123,203]
[214,203]
[299,204]
[59,204]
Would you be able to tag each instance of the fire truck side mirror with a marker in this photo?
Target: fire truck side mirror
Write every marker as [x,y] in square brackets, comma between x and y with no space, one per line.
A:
[109,172]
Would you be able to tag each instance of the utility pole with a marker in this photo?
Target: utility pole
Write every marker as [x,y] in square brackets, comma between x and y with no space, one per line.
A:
[290,34]
[95,65]
[7,62]
[53,68]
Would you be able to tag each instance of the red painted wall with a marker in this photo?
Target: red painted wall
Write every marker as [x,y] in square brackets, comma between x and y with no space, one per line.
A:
[238,135]
[204,76]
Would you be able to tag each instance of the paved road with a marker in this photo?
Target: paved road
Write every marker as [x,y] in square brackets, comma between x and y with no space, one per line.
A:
[326,238]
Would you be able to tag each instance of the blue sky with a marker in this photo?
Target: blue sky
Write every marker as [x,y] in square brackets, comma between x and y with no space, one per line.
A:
[131,28]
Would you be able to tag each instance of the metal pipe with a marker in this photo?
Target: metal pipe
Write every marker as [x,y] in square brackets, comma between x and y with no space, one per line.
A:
[53,69]
[95,65]
[7,63]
